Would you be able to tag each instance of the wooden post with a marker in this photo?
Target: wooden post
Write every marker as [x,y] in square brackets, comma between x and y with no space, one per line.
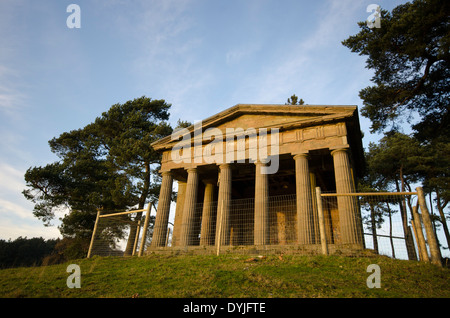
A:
[93,233]
[144,230]
[417,226]
[138,229]
[431,236]
[167,237]
[413,225]
[323,237]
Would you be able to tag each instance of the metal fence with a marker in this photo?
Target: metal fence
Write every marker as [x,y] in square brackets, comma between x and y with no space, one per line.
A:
[387,224]
[396,224]
[125,233]
[382,219]
[240,228]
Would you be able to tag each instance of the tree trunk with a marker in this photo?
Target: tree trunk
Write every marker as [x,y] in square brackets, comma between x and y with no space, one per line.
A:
[141,204]
[442,215]
[406,230]
[374,228]
[390,230]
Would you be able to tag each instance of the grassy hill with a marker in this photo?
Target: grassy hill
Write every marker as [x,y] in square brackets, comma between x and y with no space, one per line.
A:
[229,275]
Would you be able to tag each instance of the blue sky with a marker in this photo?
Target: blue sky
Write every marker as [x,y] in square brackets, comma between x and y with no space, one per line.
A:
[202,56]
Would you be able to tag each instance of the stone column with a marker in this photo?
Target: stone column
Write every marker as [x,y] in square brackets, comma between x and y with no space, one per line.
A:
[187,223]
[305,228]
[178,213]
[206,232]
[224,205]
[349,218]
[261,232]
[163,210]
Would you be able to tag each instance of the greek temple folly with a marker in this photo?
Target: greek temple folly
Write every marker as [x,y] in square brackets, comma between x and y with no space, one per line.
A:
[247,177]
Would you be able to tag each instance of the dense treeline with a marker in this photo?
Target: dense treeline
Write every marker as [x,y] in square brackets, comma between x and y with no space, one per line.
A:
[25,252]
[37,251]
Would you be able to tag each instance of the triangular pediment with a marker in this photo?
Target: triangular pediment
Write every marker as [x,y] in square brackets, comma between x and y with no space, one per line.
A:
[283,117]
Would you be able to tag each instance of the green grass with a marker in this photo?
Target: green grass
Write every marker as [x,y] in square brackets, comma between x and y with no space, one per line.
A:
[198,276]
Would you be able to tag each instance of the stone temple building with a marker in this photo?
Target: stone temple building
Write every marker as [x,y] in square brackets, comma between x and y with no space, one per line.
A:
[247,177]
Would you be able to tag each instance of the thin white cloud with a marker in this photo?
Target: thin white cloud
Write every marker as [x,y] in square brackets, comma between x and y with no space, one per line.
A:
[16,213]
[335,19]
[166,53]
[18,210]
[306,66]
[13,228]
[11,179]
[12,96]
[240,53]
[152,26]
[11,100]
[12,202]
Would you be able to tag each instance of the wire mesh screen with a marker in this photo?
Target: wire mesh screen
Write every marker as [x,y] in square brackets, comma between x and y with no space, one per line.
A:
[372,222]
[237,227]
[381,223]
[282,220]
[384,219]
[118,234]
[388,225]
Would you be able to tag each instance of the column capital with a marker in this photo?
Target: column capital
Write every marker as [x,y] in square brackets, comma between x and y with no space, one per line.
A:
[301,155]
[225,165]
[334,151]
[191,169]
[209,181]
[166,173]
